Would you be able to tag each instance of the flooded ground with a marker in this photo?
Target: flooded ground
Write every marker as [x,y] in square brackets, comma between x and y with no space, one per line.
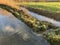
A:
[15,32]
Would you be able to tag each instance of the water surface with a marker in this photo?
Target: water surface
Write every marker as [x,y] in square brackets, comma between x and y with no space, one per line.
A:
[15,32]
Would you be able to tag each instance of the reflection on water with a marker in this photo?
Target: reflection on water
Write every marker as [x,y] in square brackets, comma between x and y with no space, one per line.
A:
[12,25]
[4,12]
[15,32]
[43,18]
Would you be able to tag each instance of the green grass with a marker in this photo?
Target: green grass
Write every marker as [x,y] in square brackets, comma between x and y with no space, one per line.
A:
[50,6]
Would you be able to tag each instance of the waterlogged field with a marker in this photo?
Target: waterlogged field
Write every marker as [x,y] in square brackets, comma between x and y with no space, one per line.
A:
[50,6]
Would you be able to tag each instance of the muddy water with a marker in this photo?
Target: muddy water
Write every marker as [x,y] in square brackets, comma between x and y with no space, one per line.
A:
[15,32]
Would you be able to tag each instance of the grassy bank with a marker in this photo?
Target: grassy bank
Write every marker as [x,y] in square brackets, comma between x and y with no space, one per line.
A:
[50,6]
[53,37]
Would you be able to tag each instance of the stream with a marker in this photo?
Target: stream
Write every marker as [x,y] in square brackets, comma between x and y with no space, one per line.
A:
[15,32]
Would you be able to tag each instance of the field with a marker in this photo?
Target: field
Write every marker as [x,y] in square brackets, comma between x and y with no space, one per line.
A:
[50,6]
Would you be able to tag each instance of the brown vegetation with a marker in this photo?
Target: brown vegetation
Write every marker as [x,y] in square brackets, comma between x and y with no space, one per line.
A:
[11,3]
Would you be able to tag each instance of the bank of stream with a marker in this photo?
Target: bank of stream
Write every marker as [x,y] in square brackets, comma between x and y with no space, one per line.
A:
[36,24]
